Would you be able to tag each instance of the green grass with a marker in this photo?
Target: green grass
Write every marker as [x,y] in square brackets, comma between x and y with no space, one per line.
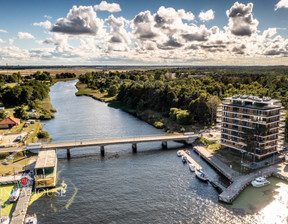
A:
[7,208]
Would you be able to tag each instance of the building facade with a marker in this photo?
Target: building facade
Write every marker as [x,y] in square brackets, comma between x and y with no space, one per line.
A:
[241,116]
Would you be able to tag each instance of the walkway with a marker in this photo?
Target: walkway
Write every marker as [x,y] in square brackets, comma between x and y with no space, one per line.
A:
[20,211]
[217,164]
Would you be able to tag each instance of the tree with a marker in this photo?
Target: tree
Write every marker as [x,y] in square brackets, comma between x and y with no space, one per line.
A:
[112,91]
[212,105]
[20,112]
[2,114]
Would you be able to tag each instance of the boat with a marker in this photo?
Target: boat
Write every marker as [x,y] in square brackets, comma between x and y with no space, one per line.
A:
[31,219]
[14,195]
[187,152]
[196,151]
[192,168]
[4,220]
[260,182]
[201,175]
[179,153]
[184,159]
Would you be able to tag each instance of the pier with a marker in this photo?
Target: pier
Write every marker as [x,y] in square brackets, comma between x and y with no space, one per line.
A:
[20,211]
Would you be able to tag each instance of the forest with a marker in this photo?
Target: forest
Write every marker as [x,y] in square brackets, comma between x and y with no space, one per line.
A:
[188,95]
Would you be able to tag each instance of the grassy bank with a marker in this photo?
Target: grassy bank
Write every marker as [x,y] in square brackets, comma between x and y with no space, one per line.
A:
[7,208]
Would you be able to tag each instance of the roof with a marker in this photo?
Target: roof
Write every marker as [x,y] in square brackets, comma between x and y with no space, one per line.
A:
[46,158]
[10,120]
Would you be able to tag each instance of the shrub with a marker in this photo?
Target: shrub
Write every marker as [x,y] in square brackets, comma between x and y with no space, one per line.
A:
[43,134]
[158,124]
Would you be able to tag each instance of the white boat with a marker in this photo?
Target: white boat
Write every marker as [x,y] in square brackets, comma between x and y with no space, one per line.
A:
[201,175]
[192,168]
[184,159]
[4,220]
[260,182]
[179,153]
[14,195]
[31,219]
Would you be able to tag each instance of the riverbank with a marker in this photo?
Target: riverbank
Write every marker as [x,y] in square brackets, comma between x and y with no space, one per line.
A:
[149,116]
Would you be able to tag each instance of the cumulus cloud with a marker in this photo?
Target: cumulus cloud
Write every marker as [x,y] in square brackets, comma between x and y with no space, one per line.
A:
[110,7]
[3,31]
[269,33]
[80,21]
[1,41]
[46,24]
[25,35]
[241,21]
[206,16]
[281,4]
[186,15]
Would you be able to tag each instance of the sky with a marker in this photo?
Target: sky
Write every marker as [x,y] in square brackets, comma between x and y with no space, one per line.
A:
[150,32]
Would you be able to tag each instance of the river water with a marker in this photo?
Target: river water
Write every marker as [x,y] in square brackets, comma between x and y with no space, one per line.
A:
[152,186]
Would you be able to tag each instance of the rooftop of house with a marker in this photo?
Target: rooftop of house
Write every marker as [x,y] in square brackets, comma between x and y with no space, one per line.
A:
[47,158]
[267,101]
[10,120]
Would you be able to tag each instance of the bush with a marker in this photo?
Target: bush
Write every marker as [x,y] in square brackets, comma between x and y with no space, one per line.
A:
[43,134]
[158,124]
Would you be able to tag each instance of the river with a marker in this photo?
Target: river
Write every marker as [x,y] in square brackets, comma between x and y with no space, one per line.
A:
[152,186]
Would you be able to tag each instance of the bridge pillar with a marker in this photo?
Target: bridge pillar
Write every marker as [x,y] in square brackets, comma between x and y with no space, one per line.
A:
[68,154]
[164,145]
[134,147]
[102,151]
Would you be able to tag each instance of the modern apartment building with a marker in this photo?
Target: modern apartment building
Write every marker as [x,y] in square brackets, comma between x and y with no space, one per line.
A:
[241,113]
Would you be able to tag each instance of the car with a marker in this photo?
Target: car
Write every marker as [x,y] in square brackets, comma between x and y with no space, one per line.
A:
[18,139]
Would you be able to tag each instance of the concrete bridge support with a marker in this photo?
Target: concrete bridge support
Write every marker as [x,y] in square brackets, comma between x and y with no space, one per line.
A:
[68,154]
[102,151]
[164,145]
[134,147]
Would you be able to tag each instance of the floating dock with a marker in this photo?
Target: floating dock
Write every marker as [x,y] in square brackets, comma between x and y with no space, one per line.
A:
[190,159]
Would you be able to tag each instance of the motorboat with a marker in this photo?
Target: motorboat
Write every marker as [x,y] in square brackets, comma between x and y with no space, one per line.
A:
[14,195]
[179,153]
[260,182]
[4,220]
[31,219]
[184,159]
[192,168]
[201,175]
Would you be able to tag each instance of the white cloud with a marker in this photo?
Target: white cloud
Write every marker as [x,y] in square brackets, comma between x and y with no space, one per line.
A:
[25,35]
[189,16]
[46,24]
[206,16]
[110,7]
[1,41]
[80,21]
[48,17]
[269,33]
[241,21]
[281,4]
[3,31]
[11,41]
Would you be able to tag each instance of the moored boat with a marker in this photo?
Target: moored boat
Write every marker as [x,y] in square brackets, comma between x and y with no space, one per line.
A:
[4,220]
[14,195]
[31,219]
[260,182]
[184,159]
[201,175]
[179,153]
[192,168]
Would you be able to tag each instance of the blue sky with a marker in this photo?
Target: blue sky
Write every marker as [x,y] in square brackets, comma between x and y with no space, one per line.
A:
[159,32]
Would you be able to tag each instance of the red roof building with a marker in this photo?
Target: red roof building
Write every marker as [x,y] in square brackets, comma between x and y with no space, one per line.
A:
[9,122]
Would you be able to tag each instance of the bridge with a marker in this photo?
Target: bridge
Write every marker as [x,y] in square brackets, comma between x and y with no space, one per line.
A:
[188,138]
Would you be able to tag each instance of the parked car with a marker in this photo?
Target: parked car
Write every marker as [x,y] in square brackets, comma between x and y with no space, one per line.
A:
[18,139]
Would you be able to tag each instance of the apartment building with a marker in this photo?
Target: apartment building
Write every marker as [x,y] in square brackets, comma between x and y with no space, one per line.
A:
[241,113]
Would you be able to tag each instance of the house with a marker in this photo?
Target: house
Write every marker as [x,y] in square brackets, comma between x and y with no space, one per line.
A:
[170,75]
[9,122]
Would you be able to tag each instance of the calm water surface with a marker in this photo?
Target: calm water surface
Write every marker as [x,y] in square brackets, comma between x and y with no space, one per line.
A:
[152,186]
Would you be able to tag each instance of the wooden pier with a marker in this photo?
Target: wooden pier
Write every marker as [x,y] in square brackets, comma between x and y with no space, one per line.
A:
[190,159]
[20,211]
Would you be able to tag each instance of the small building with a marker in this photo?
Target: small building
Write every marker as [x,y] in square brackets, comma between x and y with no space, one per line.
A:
[170,75]
[46,169]
[9,122]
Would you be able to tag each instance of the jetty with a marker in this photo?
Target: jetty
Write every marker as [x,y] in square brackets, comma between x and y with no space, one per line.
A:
[238,181]
[20,211]
[190,159]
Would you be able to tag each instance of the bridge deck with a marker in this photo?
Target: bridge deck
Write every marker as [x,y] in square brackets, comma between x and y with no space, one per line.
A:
[105,142]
